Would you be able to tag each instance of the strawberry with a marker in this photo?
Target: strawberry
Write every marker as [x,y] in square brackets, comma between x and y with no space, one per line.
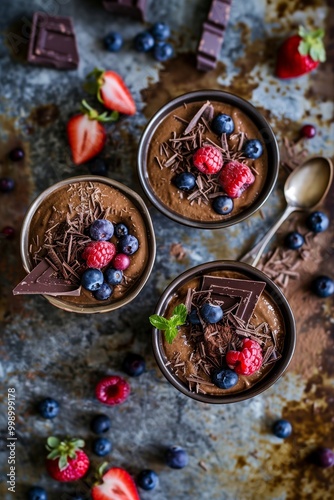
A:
[300,54]
[86,134]
[117,484]
[66,461]
[111,91]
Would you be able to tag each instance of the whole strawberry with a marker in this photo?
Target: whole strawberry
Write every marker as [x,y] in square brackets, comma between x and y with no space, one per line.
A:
[300,54]
[66,461]
[98,254]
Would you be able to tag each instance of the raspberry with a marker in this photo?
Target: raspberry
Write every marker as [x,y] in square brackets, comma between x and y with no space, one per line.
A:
[246,361]
[98,254]
[208,160]
[112,390]
[235,177]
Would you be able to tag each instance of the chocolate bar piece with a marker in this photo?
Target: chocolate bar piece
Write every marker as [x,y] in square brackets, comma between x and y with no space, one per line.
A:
[53,42]
[213,34]
[42,280]
[131,8]
[230,291]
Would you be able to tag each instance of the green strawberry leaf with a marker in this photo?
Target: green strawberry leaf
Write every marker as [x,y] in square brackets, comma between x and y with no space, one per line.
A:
[178,318]
[53,442]
[303,48]
[53,454]
[62,463]
[311,44]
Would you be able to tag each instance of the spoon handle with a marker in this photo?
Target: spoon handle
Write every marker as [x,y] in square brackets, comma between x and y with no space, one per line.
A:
[253,256]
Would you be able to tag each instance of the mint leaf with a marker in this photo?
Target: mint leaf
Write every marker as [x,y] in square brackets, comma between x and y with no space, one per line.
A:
[170,333]
[181,312]
[179,317]
[159,322]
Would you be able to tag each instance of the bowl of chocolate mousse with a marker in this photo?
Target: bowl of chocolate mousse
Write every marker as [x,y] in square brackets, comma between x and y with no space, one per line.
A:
[208,159]
[236,338]
[58,246]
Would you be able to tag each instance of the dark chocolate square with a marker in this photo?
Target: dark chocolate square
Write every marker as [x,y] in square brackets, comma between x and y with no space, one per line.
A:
[131,8]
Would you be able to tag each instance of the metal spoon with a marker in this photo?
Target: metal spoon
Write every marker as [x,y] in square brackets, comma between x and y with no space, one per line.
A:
[304,189]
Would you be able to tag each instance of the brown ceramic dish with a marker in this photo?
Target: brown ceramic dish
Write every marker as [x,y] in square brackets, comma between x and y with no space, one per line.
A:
[274,295]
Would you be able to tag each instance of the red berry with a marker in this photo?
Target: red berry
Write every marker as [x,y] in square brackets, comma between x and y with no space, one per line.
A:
[121,262]
[16,154]
[8,232]
[308,131]
[98,254]
[66,461]
[208,160]
[246,361]
[235,178]
[112,390]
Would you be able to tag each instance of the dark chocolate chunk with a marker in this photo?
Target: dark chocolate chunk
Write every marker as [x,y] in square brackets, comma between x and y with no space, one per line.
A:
[131,8]
[53,42]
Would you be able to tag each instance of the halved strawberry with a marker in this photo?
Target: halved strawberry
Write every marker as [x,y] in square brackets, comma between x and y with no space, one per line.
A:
[117,485]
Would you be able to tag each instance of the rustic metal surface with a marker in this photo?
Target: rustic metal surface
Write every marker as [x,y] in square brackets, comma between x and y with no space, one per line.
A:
[48,352]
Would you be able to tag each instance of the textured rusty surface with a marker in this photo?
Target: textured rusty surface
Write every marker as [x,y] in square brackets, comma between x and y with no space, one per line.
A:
[47,352]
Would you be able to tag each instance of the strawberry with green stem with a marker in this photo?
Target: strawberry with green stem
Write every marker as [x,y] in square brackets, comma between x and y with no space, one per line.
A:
[170,326]
[66,460]
[114,484]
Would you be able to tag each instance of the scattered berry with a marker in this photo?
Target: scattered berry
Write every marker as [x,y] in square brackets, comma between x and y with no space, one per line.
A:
[147,479]
[98,254]
[160,31]
[224,378]
[101,230]
[104,292]
[294,240]
[16,154]
[98,167]
[112,390]
[163,51]
[208,160]
[115,484]
[194,318]
[317,222]
[37,493]
[6,184]
[308,131]
[246,361]
[77,496]
[323,286]
[121,230]
[134,364]
[92,279]
[100,424]
[223,205]
[48,408]
[235,178]
[128,244]
[8,232]
[113,42]
[185,181]
[282,428]
[176,457]
[222,124]
[101,447]
[66,461]
[211,313]
[323,457]
[113,276]
[143,42]
[253,149]
[121,261]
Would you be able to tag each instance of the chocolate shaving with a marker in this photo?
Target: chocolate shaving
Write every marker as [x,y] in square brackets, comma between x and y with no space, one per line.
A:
[193,122]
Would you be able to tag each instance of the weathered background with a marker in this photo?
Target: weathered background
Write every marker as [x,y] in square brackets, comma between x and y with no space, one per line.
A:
[48,352]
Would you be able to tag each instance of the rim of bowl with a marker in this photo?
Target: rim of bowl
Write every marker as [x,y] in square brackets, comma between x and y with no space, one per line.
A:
[219,95]
[140,204]
[275,293]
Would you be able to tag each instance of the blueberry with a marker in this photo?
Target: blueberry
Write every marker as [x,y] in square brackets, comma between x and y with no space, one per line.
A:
[211,313]
[101,447]
[113,42]
[134,364]
[113,276]
[101,230]
[323,286]
[143,42]
[163,51]
[253,149]
[222,124]
[121,230]
[294,240]
[223,205]
[98,167]
[48,408]
[128,244]
[92,279]
[224,378]
[185,181]
[176,457]
[147,479]
[6,184]
[37,493]
[104,292]
[317,222]
[323,457]
[100,424]
[16,154]
[160,31]
[282,428]
[193,317]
